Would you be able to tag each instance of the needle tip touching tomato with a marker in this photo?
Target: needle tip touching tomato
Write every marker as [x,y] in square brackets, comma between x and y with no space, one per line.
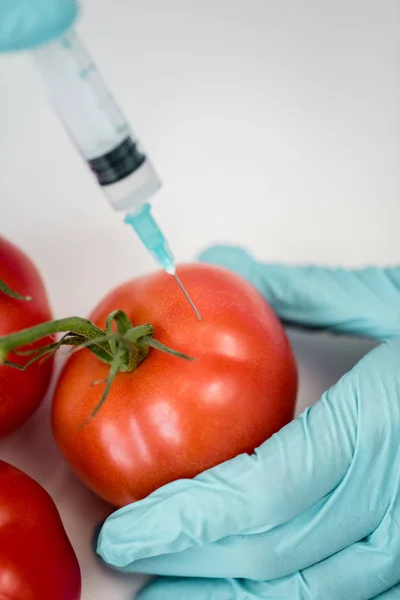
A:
[37,561]
[21,391]
[171,418]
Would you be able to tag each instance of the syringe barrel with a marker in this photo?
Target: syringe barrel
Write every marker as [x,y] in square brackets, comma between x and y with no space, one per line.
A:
[96,125]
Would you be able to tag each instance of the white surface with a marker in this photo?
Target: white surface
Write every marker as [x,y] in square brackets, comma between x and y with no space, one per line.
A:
[273,124]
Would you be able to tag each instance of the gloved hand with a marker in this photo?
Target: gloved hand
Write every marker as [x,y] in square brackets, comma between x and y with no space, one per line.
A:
[315,512]
[29,23]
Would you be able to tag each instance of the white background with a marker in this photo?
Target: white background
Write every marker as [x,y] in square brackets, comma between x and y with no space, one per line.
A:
[273,123]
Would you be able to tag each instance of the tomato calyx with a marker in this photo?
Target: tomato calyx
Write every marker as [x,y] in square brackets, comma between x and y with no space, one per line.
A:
[121,345]
[5,289]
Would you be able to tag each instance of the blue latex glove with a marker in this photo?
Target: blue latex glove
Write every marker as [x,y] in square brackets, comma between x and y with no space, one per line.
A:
[29,23]
[315,512]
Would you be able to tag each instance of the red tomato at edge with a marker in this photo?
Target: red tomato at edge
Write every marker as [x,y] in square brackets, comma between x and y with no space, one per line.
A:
[21,392]
[37,561]
[170,418]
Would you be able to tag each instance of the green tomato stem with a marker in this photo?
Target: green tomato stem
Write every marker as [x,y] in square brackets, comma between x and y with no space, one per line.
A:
[123,350]
[76,325]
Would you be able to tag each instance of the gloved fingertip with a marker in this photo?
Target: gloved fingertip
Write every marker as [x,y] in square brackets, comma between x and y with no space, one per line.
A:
[56,24]
[233,258]
[29,25]
[103,546]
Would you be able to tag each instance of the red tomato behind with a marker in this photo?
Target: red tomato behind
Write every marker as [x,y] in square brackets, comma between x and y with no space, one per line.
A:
[37,561]
[171,418]
[21,391]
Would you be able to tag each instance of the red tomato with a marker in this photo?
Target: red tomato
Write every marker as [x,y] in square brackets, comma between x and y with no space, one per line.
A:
[171,418]
[37,561]
[21,391]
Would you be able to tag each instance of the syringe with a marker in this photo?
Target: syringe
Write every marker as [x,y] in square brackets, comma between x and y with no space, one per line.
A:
[103,137]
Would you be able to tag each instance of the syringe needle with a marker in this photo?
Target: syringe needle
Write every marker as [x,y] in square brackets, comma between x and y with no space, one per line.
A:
[179,282]
[151,236]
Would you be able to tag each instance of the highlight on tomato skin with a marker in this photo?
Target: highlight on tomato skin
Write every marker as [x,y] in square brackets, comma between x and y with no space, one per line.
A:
[171,418]
[23,303]
[37,560]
